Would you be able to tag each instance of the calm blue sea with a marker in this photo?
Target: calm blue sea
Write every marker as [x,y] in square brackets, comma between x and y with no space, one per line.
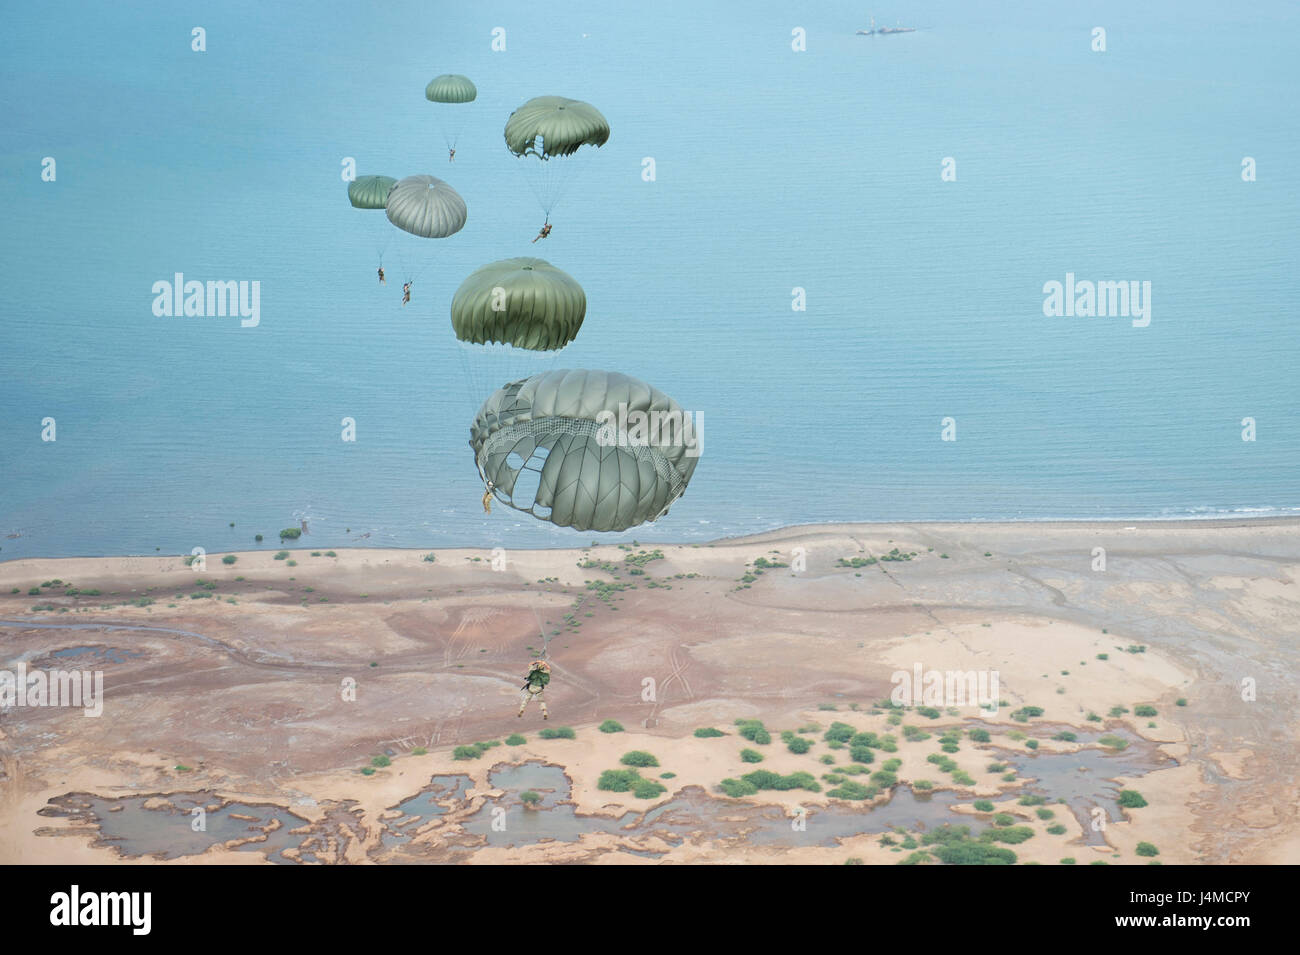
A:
[775,169]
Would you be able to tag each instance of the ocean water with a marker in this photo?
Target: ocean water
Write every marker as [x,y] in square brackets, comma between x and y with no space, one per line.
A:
[775,169]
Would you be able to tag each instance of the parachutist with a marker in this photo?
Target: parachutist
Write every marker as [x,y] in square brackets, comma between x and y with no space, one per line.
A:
[451,154]
[406,293]
[539,674]
[381,276]
[546,230]
[487,498]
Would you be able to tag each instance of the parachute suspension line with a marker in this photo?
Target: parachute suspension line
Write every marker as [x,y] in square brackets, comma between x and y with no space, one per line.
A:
[537,184]
[546,640]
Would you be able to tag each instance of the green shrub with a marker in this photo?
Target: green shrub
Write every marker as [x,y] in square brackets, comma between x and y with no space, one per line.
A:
[559,732]
[1147,849]
[955,847]
[708,732]
[530,798]
[751,756]
[766,779]
[1131,799]
[648,789]
[638,757]
[799,745]
[282,555]
[618,780]
[466,752]
[1113,742]
[1056,830]
[291,533]
[229,559]
[983,805]
[611,726]
[945,764]
[754,731]
[861,754]
[1144,710]
[978,735]
[514,739]
[839,733]
[852,790]
[1013,834]
[735,788]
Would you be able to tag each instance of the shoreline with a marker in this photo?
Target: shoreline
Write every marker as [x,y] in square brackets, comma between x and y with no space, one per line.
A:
[784,532]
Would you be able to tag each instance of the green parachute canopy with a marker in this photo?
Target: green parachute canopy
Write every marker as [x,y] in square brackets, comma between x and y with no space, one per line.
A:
[524,302]
[426,206]
[562,125]
[370,192]
[591,450]
[450,88]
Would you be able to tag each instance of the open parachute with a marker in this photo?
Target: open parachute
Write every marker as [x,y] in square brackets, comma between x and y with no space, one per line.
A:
[426,206]
[371,193]
[450,88]
[449,92]
[550,128]
[524,302]
[512,318]
[591,450]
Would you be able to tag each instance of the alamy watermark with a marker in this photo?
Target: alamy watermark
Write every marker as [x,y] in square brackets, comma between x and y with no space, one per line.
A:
[79,688]
[194,299]
[922,687]
[1085,299]
[656,429]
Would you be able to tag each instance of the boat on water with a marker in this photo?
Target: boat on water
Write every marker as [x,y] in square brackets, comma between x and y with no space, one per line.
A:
[884,31]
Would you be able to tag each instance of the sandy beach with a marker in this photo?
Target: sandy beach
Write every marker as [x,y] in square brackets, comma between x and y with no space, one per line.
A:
[273,684]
